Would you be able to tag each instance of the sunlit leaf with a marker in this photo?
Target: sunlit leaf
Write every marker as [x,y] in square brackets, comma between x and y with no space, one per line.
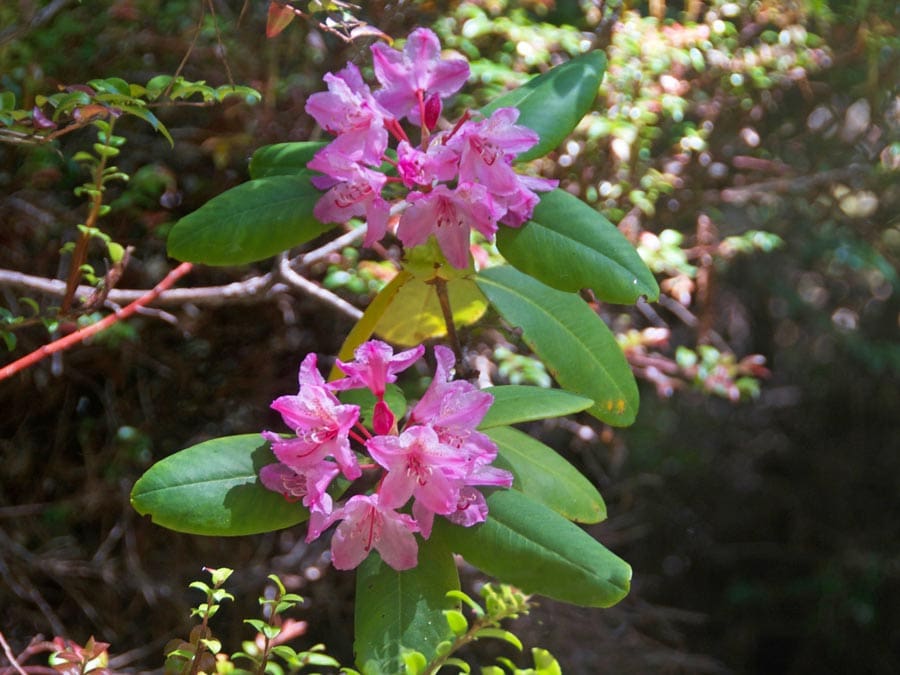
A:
[546,477]
[569,245]
[213,489]
[401,611]
[553,103]
[525,544]
[578,349]
[252,221]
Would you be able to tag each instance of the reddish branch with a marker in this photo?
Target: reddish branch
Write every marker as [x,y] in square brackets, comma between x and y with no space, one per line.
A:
[86,332]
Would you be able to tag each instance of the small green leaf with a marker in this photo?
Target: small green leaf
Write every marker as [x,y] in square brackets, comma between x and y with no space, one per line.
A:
[542,474]
[500,634]
[213,489]
[569,245]
[528,545]
[283,159]
[398,612]
[457,621]
[553,103]
[250,222]
[515,403]
[578,349]
[7,100]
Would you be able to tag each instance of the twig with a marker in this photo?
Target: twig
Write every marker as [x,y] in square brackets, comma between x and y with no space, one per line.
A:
[10,656]
[293,279]
[86,332]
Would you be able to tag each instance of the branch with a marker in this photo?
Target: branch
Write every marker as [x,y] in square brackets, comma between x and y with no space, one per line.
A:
[86,332]
[797,185]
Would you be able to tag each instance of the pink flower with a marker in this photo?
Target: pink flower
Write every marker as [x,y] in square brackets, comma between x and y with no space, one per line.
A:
[454,409]
[375,366]
[520,205]
[413,81]
[419,465]
[349,111]
[353,190]
[310,485]
[322,425]
[449,215]
[417,168]
[367,524]
[488,147]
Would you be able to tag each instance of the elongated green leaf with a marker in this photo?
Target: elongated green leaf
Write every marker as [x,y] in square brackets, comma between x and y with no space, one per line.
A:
[574,343]
[249,222]
[213,489]
[569,245]
[514,403]
[542,474]
[401,611]
[553,103]
[525,544]
[283,159]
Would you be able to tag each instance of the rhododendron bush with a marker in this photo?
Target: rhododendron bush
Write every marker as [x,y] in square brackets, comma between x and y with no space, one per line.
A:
[401,485]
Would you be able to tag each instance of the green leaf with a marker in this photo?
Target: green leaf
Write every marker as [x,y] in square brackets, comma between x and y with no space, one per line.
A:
[397,612]
[573,342]
[7,100]
[282,159]
[552,104]
[252,221]
[546,477]
[150,119]
[213,489]
[526,544]
[569,245]
[514,403]
[500,634]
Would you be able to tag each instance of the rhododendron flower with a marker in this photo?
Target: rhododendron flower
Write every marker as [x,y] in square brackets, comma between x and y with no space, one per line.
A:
[450,216]
[417,168]
[419,465]
[321,422]
[349,110]
[374,366]
[488,147]
[309,485]
[454,409]
[437,460]
[417,77]
[352,190]
[368,524]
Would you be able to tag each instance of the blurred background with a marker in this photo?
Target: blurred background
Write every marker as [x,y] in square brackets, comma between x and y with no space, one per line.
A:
[750,149]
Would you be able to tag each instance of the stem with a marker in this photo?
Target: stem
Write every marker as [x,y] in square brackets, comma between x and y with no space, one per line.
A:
[440,287]
[80,253]
[79,336]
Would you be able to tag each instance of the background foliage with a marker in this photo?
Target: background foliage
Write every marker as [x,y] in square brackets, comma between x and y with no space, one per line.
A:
[749,148]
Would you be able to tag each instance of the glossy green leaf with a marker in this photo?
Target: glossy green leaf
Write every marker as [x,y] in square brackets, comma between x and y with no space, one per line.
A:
[525,544]
[151,119]
[213,489]
[578,349]
[401,611]
[514,403]
[542,474]
[252,221]
[553,103]
[569,245]
[282,159]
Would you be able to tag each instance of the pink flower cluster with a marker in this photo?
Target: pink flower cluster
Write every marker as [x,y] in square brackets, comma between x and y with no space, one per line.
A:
[456,179]
[437,460]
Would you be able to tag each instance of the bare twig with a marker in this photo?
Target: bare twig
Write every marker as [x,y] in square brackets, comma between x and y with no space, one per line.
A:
[290,277]
[10,656]
[81,335]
